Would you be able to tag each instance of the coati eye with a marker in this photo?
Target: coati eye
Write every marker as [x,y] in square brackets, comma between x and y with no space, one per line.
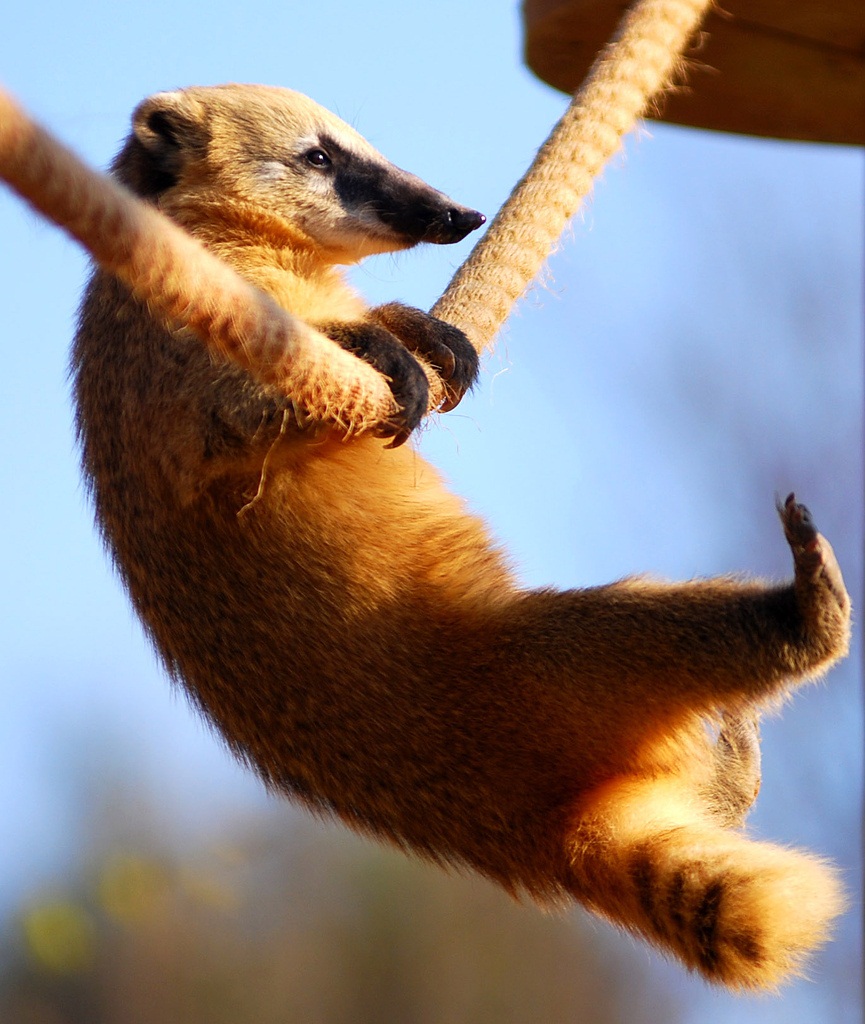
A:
[318,158]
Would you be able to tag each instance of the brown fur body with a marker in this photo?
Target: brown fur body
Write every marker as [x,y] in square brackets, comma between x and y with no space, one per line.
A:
[359,640]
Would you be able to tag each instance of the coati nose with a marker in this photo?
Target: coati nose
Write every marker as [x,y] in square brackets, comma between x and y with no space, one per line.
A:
[451,224]
[459,221]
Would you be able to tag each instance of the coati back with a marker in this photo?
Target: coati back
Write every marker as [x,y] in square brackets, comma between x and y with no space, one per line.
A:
[353,631]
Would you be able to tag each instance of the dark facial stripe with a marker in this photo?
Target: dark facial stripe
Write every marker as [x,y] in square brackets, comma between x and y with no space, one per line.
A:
[409,207]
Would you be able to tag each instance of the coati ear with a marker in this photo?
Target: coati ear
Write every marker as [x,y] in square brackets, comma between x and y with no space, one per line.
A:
[168,131]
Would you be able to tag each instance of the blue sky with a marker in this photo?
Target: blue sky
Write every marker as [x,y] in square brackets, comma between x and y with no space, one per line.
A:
[694,349]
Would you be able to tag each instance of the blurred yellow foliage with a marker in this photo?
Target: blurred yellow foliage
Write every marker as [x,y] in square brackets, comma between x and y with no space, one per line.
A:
[209,890]
[60,936]
[129,886]
[282,921]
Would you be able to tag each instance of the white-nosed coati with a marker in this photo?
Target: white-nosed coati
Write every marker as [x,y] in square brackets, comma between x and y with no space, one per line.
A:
[354,633]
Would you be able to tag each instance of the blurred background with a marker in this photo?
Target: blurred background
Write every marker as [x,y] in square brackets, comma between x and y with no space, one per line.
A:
[694,349]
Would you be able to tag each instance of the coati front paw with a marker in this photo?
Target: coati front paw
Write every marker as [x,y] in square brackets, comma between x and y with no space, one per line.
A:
[821,596]
[404,375]
[444,346]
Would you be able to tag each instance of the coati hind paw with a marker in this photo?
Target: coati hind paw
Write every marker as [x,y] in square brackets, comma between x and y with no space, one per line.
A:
[818,575]
[444,346]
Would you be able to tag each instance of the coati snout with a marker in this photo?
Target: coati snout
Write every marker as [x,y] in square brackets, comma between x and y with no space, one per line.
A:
[372,186]
[406,204]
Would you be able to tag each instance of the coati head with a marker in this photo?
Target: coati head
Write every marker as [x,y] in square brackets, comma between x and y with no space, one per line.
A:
[260,154]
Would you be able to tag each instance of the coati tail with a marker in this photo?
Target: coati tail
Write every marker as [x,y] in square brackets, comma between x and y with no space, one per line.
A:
[741,913]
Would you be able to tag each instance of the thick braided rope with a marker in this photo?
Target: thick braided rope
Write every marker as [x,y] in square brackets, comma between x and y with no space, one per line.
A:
[185,284]
[634,67]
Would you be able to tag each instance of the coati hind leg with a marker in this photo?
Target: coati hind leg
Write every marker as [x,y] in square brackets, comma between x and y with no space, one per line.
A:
[699,646]
[736,774]
[739,912]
